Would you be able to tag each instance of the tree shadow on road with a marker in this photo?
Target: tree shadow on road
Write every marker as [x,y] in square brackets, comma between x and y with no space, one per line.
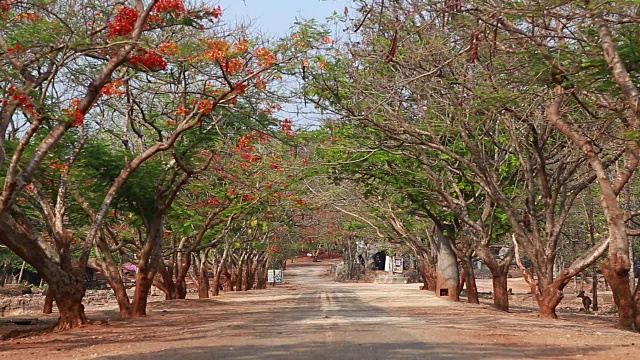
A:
[348,350]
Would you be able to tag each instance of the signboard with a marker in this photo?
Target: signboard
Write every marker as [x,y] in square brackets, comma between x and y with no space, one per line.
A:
[275,276]
[398,263]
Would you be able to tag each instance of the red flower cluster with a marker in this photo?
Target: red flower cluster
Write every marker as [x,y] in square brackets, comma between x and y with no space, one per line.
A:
[169,6]
[218,50]
[168,48]
[148,60]
[260,84]
[239,88]
[31,17]
[205,106]
[22,100]
[182,111]
[285,126]
[265,57]
[76,115]
[15,50]
[61,168]
[216,12]
[261,137]
[213,202]
[244,141]
[4,5]
[113,88]
[241,46]
[123,23]
[232,66]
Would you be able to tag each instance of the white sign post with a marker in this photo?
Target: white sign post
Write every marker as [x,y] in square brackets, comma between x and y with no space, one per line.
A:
[275,276]
[398,263]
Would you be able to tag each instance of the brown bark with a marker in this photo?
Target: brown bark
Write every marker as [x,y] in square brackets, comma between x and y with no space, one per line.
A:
[203,282]
[618,277]
[251,279]
[48,302]
[69,303]
[547,303]
[462,281]
[499,271]
[636,299]
[244,274]
[594,289]
[183,270]
[428,272]
[261,274]
[107,266]
[61,275]
[172,289]
[215,289]
[227,283]
[500,291]
[237,275]
[141,293]
[470,282]
[150,257]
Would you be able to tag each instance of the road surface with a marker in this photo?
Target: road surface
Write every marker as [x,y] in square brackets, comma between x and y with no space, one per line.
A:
[315,318]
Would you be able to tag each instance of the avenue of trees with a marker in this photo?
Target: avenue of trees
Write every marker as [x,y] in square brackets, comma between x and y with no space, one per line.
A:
[470,123]
[152,133]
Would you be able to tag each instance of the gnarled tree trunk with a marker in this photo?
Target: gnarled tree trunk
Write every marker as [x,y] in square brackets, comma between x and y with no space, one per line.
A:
[150,256]
[470,281]
[65,281]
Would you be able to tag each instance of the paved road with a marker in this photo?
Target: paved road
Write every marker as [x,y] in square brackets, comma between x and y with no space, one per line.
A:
[315,318]
[321,319]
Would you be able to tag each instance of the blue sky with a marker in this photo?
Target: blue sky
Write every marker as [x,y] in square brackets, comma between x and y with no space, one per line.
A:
[275,17]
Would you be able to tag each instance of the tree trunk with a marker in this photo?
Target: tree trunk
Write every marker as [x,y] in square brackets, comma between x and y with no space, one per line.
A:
[215,290]
[447,268]
[616,270]
[62,277]
[183,270]
[547,303]
[550,296]
[470,281]
[172,289]
[500,290]
[244,274]
[21,272]
[150,257]
[108,267]
[227,284]
[428,272]
[48,302]
[636,298]
[594,288]
[237,273]
[499,271]
[462,281]
[203,281]
[141,293]
[261,274]
[632,278]
[251,279]
[69,302]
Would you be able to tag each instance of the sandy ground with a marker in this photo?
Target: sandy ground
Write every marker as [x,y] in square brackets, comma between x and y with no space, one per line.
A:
[315,318]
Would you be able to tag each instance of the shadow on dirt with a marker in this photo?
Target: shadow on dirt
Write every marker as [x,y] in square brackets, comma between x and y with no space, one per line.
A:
[346,350]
